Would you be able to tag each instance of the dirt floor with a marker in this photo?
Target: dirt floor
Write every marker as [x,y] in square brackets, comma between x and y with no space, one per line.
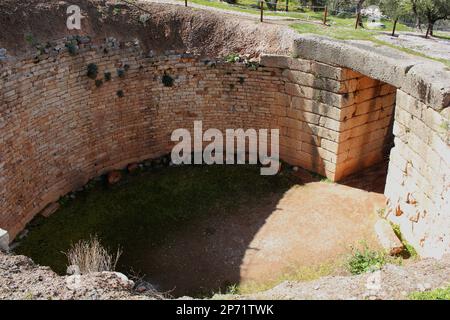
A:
[391,282]
[200,230]
[311,227]
[20,278]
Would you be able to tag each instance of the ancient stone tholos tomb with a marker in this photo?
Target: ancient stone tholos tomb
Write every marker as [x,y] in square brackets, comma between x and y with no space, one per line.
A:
[336,105]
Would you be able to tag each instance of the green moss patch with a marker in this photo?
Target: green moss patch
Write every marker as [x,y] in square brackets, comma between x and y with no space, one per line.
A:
[143,210]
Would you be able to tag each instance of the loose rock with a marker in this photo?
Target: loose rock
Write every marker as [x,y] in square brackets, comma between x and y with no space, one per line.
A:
[114,177]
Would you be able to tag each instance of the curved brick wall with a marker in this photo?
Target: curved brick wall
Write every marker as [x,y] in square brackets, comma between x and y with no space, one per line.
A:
[58,130]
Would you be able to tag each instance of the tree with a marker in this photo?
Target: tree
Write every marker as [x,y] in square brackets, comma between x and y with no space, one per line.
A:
[415,10]
[334,6]
[394,9]
[359,5]
[433,11]
[272,4]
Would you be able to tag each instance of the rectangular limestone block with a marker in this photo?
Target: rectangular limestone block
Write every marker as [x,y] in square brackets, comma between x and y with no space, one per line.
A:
[387,238]
[408,103]
[312,106]
[315,81]
[333,72]
[366,82]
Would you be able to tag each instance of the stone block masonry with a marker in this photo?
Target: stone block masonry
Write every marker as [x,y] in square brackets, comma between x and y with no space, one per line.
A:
[59,128]
[418,183]
[334,121]
[418,180]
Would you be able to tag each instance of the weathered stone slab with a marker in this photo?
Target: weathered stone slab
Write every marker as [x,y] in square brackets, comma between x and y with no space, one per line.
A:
[387,238]
[426,80]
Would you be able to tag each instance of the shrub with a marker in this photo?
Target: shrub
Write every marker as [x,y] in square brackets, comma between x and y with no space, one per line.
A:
[29,38]
[233,289]
[90,256]
[107,76]
[233,57]
[121,72]
[92,70]
[64,200]
[366,260]
[252,65]
[72,48]
[167,80]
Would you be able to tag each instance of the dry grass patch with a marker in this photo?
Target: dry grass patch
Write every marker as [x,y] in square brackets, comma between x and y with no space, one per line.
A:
[90,256]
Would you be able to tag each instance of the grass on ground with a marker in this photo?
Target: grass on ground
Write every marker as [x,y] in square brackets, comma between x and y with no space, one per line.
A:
[364,259]
[437,294]
[293,274]
[145,209]
[338,28]
[345,31]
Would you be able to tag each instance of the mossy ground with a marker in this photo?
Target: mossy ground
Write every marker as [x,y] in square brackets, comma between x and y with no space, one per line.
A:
[144,209]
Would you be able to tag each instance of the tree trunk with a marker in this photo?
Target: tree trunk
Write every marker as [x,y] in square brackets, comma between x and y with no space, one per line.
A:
[428,30]
[358,12]
[359,6]
[272,4]
[431,28]
[416,15]
[357,21]
[395,25]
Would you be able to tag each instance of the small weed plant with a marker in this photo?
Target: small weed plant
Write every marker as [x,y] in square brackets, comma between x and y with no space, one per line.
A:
[366,260]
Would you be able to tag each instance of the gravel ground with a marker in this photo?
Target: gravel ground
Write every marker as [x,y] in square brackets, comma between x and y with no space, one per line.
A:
[20,278]
[433,47]
[390,283]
